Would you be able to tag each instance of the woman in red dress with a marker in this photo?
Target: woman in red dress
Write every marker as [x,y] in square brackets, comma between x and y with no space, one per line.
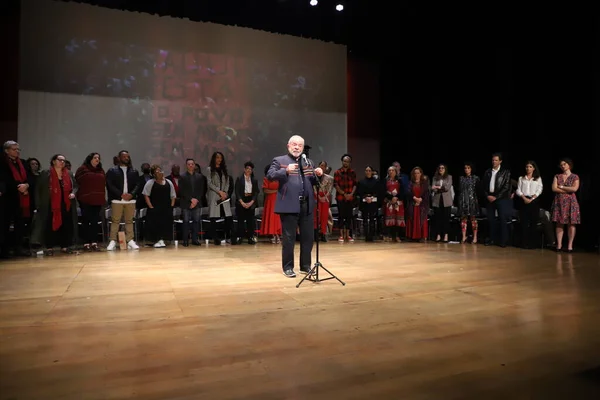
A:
[271,223]
[417,205]
[323,201]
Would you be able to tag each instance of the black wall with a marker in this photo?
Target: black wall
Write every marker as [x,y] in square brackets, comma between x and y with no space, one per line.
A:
[460,89]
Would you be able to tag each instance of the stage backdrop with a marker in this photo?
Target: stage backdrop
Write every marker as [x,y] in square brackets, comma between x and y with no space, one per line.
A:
[101,80]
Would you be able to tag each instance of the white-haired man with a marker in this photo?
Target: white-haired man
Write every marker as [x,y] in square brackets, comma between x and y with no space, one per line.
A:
[15,200]
[295,203]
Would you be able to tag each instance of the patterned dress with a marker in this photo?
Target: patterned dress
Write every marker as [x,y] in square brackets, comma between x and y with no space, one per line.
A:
[468,204]
[394,213]
[565,208]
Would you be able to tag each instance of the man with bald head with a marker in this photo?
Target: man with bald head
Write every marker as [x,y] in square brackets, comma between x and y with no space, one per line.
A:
[295,203]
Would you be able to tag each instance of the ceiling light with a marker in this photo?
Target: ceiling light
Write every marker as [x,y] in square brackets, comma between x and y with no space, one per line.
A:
[313,2]
[339,7]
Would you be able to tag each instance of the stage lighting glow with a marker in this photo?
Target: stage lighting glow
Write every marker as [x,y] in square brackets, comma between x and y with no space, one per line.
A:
[339,7]
[313,2]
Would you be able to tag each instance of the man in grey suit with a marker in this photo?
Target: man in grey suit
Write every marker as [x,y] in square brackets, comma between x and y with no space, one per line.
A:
[295,203]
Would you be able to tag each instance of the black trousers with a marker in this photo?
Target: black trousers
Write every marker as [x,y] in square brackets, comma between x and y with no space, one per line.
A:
[90,215]
[504,207]
[345,214]
[245,217]
[227,230]
[529,216]
[11,213]
[289,222]
[441,218]
[369,214]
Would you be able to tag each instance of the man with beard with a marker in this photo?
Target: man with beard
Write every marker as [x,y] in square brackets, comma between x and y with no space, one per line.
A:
[122,184]
[295,203]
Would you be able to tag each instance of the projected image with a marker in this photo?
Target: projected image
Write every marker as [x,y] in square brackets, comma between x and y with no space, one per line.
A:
[165,106]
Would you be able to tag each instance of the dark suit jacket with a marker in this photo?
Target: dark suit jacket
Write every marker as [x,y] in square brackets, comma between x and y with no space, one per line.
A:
[8,184]
[240,184]
[293,185]
[186,193]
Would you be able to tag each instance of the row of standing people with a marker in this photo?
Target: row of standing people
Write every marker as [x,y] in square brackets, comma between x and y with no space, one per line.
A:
[406,201]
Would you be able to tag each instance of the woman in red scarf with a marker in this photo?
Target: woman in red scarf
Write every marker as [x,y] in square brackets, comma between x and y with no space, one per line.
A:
[55,222]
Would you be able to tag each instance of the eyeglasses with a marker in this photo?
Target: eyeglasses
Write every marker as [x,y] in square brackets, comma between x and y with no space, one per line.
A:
[61,159]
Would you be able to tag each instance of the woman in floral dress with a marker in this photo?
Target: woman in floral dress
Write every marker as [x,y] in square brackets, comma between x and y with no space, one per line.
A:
[565,208]
[468,204]
[393,206]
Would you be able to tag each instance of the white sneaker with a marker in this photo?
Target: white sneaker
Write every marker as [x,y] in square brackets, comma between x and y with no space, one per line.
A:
[131,245]
[162,243]
[111,246]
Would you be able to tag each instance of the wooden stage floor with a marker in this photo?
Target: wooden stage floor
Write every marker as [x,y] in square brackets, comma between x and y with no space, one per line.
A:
[414,321]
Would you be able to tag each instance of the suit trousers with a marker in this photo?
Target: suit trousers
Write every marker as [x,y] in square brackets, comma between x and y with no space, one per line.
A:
[305,221]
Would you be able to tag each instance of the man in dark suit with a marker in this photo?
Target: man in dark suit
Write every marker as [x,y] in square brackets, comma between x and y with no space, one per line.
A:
[295,203]
[192,191]
[15,199]
[497,188]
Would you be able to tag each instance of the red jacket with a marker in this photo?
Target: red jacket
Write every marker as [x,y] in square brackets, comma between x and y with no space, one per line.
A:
[92,185]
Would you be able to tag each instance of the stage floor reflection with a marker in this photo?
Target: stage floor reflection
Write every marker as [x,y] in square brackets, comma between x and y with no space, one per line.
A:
[414,321]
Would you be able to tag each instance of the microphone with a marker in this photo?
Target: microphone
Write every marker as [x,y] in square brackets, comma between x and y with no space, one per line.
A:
[306,160]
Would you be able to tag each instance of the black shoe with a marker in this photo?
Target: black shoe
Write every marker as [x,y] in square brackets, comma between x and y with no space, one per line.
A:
[185,243]
[217,242]
[289,273]
[489,243]
[304,270]
[196,243]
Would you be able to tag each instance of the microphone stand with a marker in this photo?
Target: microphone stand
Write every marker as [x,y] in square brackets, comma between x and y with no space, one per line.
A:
[313,274]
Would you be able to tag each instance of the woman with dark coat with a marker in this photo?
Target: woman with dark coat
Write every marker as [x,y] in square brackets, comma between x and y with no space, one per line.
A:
[55,222]
[91,179]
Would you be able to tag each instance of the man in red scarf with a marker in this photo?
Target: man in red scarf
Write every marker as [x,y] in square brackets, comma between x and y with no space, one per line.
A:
[14,199]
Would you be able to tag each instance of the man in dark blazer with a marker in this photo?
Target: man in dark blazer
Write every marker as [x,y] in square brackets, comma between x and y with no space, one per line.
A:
[497,189]
[295,203]
[192,193]
[15,198]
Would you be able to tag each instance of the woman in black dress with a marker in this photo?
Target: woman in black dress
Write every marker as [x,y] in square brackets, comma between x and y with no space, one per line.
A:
[160,195]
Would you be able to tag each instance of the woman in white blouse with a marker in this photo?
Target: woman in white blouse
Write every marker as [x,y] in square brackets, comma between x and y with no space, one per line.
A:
[529,190]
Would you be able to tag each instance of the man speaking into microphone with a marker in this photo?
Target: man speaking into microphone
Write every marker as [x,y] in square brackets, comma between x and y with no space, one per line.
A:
[295,203]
